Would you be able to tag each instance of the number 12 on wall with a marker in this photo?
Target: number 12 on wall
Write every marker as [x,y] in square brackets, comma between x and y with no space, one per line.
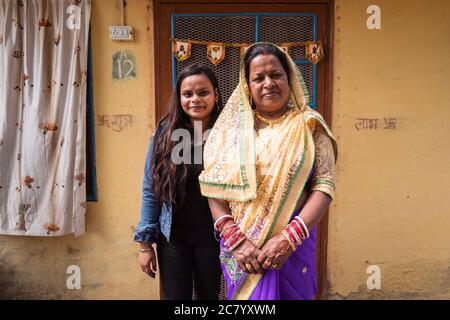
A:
[124,66]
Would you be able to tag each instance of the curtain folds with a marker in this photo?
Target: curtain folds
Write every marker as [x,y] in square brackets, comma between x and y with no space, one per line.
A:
[43,73]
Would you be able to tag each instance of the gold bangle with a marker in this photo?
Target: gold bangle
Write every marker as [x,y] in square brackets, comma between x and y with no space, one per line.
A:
[293,247]
[146,250]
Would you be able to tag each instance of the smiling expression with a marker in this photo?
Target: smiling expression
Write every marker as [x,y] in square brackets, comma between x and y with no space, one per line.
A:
[197,97]
[269,84]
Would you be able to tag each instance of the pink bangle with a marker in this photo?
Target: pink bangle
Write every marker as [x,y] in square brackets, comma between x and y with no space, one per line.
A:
[223,219]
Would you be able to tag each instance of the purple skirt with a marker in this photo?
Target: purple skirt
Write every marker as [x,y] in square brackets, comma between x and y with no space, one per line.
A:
[296,280]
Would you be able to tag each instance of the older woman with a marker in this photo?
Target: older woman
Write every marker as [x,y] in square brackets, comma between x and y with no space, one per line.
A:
[269,176]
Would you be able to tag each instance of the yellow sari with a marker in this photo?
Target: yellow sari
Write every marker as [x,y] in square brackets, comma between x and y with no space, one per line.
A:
[262,179]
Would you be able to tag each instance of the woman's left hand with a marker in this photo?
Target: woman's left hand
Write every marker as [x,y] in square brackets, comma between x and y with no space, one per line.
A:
[275,252]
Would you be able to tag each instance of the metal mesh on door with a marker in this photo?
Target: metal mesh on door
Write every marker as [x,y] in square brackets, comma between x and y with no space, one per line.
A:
[280,29]
[242,29]
[227,71]
[219,29]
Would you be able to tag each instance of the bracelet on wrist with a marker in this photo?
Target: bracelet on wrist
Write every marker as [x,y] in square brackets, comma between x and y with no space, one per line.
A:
[224,231]
[288,238]
[221,221]
[296,232]
[233,238]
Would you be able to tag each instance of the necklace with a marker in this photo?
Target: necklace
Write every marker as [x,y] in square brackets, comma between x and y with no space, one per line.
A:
[271,122]
[261,120]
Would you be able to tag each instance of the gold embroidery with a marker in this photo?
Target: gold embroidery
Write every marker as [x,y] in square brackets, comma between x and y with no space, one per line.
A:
[324,163]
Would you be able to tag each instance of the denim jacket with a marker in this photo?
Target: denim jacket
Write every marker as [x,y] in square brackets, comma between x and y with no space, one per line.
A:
[155,218]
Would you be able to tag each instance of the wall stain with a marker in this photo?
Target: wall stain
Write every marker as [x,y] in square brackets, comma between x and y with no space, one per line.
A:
[420,279]
[71,250]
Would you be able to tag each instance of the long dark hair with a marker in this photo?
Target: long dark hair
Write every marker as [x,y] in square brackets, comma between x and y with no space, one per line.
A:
[169,179]
[265,48]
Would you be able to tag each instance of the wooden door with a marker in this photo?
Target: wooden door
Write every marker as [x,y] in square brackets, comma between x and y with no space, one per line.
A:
[254,21]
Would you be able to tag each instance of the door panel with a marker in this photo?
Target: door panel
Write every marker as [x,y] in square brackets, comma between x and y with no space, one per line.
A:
[245,23]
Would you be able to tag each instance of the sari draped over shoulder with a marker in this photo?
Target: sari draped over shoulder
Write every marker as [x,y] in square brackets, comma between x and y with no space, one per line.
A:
[262,179]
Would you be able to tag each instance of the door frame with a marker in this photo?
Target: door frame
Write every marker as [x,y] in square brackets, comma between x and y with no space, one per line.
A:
[161,95]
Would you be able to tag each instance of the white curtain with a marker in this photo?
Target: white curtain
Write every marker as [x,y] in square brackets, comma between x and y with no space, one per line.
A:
[43,73]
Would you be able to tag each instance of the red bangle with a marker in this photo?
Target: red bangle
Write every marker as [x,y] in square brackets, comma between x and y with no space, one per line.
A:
[303,226]
[231,236]
[294,223]
[289,232]
[222,233]
[234,238]
[293,240]
[237,242]
[230,233]
[296,227]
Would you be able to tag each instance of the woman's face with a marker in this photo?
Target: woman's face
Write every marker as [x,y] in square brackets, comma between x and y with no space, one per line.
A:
[197,97]
[269,84]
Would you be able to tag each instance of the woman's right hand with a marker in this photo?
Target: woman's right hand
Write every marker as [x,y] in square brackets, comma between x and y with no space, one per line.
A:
[147,261]
[246,255]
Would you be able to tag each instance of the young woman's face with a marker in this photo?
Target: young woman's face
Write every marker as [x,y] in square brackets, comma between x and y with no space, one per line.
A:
[197,97]
[268,83]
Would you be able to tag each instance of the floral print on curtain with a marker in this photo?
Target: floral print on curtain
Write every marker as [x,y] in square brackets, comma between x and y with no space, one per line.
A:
[43,62]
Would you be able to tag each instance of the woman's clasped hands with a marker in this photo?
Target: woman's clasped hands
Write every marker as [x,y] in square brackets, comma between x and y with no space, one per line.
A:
[271,256]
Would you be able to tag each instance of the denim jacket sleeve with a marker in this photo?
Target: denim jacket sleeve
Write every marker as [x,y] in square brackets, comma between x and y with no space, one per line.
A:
[148,227]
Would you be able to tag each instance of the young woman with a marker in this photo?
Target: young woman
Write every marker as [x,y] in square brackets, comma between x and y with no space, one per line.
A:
[174,214]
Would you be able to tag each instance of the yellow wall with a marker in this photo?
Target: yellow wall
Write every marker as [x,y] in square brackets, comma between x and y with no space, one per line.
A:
[392,207]
[107,256]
